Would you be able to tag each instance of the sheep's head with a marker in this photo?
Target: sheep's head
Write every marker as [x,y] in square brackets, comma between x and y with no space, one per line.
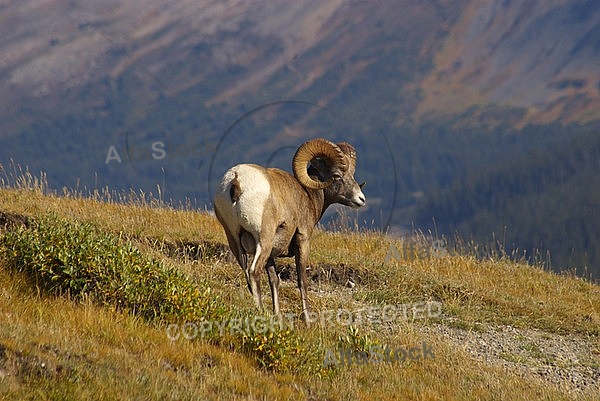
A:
[333,166]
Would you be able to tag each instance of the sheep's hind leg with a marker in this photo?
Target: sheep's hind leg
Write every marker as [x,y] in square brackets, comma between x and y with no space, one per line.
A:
[239,248]
[274,284]
[248,247]
[261,260]
[253,277]
[247,274]
[255,289]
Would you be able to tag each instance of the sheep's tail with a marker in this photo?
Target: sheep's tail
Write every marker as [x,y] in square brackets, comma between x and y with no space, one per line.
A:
[235,189]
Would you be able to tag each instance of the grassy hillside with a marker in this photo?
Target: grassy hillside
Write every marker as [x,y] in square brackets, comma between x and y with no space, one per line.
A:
[95,295]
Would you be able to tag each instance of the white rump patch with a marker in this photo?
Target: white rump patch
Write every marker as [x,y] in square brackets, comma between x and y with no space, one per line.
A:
[248,211]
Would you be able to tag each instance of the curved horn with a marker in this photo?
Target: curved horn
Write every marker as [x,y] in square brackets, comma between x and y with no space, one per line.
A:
[308,151]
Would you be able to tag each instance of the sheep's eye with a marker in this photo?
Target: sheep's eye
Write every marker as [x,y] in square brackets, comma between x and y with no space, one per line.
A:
[337,177]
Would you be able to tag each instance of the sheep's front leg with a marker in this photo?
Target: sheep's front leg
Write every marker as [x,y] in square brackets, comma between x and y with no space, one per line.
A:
[302,251]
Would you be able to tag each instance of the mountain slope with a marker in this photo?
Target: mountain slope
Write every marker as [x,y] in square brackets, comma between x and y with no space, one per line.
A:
[539,55]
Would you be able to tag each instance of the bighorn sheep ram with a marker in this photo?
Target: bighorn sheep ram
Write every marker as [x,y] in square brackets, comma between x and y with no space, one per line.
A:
[268,213]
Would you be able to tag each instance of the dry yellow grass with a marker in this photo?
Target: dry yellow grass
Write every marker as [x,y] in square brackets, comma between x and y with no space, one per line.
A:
[55,349]
[92,352]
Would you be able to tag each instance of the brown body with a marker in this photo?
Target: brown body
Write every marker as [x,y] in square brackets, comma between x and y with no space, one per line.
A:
[268,213]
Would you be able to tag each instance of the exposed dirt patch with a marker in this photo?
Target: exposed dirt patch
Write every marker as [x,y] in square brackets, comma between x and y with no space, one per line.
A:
[194,250]
[340,274]
[570,362]
[29,365]
[9,221]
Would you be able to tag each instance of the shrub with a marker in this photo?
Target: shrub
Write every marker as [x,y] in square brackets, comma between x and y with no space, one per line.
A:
[75,258]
